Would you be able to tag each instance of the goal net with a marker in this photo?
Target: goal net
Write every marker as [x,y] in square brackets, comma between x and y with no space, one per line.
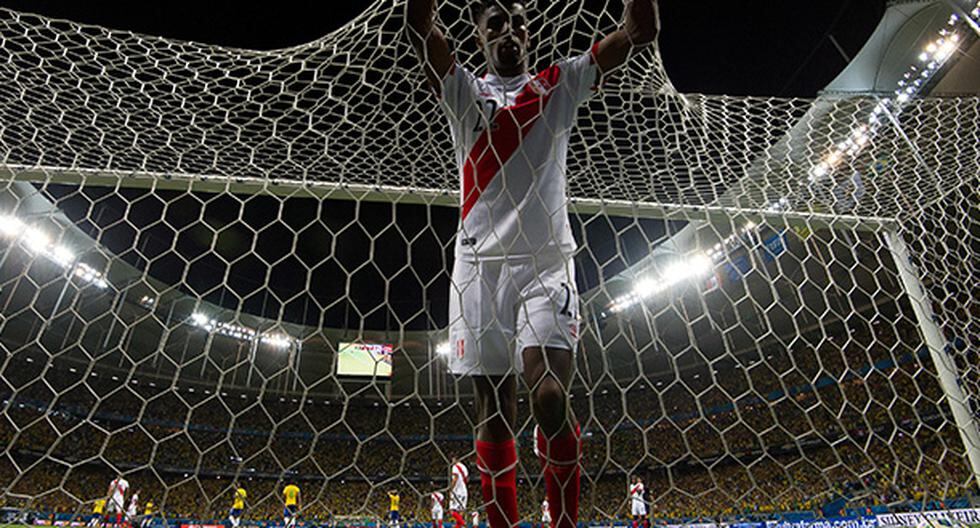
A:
[226,268]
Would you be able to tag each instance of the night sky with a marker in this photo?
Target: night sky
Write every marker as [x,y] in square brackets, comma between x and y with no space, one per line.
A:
[788,48]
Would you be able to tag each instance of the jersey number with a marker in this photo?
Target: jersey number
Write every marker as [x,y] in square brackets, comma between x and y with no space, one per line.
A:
[566,309]
[489,111]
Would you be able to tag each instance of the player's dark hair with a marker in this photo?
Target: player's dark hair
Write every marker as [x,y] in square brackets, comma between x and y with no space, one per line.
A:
[479,7]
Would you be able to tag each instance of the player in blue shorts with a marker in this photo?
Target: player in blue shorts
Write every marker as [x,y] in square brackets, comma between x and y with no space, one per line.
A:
[395,501]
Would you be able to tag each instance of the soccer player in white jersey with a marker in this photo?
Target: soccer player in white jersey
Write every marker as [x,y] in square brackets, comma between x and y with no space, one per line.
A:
[545,514]
[638,505]
[458,494]
[476,518]
[514,306]
[117,500]
[134,508]
[436,498]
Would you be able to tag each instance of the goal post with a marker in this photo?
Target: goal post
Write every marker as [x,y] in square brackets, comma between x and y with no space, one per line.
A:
[938,345]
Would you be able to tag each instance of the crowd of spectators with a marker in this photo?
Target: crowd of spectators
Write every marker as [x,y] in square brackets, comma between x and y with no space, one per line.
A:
[859,415]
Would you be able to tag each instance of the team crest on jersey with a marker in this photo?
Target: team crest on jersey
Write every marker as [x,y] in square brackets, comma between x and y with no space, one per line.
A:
[540,85]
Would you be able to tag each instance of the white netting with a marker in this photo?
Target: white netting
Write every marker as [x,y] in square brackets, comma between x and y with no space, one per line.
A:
[191,231]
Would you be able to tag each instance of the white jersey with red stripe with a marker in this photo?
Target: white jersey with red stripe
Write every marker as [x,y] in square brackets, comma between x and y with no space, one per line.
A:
[638,506]
[458,495]
[511,138]
[437,500]
[636,491]
[118,489]
[134,505]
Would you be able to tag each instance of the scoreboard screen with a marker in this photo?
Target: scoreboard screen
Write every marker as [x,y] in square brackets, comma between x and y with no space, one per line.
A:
[364,359]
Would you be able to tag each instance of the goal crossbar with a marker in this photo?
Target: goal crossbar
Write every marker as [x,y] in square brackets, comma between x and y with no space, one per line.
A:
[320,189]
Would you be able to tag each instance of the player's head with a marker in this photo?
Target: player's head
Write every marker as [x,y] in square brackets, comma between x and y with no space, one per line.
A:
[636,479]
[502,34]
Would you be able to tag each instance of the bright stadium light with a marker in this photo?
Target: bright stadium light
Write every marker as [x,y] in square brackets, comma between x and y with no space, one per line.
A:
[700,265]
[443,348]
[675,273]
[36,240]
[62,255]
[934,55]
[691,268]
[277,340]
[10,226]
[646,287]
[239,332]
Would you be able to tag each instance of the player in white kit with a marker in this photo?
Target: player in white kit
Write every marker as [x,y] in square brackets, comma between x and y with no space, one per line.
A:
[134,508]
[115,507]
[436,498]
[638,505]
[458,494]
[513,300]
[476,518]
[545,514]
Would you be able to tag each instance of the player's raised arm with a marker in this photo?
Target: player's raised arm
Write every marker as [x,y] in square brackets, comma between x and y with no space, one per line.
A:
[428,40]
[640,28]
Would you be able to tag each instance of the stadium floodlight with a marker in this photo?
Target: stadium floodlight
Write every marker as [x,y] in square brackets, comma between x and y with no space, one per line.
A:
[675,273]
[694,267]
[647,287]
[89,274]
[241,333]
[935,55]
[10,226]
[277,340]
[36,240]
[202,321]
[699,265]
[443,348]
[62,255]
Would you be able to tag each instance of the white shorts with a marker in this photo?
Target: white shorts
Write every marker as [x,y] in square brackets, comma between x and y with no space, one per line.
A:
[114,506]
[497,308]
[457,502]
[639,508]
[546,518]
[437,515]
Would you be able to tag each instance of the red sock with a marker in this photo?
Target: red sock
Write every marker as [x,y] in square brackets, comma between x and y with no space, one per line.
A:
[460,523]
[560,461]
[497,463]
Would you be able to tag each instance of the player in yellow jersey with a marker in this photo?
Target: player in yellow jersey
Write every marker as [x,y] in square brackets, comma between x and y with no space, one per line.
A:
[148,512]
[393,514]
[237,507]
[293,504]
[98,509]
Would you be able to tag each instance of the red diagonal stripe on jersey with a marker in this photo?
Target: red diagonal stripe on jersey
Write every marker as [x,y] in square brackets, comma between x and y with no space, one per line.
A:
[498,143]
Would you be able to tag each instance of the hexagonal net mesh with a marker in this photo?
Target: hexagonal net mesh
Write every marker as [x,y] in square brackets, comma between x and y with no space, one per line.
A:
[202,246]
